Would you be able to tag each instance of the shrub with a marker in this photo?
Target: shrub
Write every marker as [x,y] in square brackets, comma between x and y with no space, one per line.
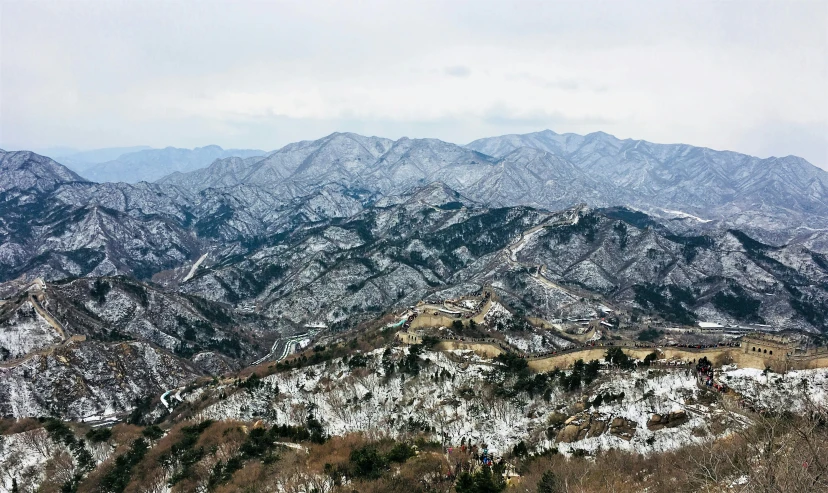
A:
[118,477]
[400,453]
[549,483]
[252,382]
[153,432]
[367,462]
[99,291]
[98,435]
[520,450]
[648,335]
[618,357]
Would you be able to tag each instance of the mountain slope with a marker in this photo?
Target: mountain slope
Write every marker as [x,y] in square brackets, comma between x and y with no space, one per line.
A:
[341,254]
[90,379]
[338,253]
[550,171]
[26,170]
[711,184]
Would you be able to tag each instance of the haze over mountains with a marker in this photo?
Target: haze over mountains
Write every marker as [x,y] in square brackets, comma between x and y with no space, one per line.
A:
[142,163]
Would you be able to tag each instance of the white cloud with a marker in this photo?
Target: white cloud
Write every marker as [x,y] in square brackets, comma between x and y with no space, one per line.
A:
[746,77]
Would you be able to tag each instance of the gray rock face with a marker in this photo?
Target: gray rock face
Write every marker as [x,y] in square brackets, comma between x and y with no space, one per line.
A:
[623,428]
[670,420]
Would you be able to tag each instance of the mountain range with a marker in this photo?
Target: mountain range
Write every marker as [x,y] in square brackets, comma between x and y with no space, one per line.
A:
[204,272]
[691,186]
[310,248]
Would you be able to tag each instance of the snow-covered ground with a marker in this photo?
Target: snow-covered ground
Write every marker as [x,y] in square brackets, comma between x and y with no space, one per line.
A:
[686,215]
[24,332]
[455,396]
[24,456]
[194,268]
[497,312]
[794,390]
[451,394]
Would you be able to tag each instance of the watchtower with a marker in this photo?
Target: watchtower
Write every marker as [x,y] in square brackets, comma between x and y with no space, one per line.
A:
[768,346]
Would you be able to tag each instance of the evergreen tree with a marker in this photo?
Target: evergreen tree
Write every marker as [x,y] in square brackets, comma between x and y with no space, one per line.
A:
[465,483]
[486,482]
[549,483]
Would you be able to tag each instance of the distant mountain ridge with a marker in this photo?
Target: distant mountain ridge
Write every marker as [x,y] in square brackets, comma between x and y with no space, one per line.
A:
[80,161]
[391,167]
[150,164]
[547,170]
[662,169]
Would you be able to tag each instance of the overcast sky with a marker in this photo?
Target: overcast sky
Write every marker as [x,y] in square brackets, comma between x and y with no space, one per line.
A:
[745,76]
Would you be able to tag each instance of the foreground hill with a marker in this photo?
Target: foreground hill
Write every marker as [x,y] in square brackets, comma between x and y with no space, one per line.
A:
[412,419]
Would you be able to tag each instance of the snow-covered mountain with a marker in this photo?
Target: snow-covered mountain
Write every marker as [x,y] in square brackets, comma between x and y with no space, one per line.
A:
[338,253]
[773,192]
[149,290]
[24,170]
[385,167]
[152,164]
[551,171]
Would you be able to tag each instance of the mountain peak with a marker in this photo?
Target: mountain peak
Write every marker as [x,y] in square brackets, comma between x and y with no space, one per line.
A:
[601,135]
[26,170]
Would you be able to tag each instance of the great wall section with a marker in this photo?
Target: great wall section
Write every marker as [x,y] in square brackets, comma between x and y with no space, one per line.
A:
[753,351]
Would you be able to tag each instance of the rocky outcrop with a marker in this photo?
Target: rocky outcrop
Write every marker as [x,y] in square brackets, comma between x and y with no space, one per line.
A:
[670,420]
[587,425]
[581,426]
[622,428]
[213,363]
